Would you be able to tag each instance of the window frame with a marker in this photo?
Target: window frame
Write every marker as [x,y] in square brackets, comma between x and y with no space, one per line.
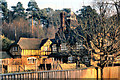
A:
[31,60]
[54,48]
[79,45]
[15,49]
[63,47]
[45,48]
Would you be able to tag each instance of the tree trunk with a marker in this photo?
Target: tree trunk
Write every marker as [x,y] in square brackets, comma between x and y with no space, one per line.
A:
[15,34]
[39,21]
[97,73]
[101,73]
[32,25]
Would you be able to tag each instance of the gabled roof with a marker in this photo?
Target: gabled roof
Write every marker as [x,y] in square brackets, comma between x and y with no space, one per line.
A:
[32,43]
[43,42]
[29,43]
[53,41]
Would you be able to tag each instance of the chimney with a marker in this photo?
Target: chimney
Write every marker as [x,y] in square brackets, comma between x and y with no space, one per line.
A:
[62,17]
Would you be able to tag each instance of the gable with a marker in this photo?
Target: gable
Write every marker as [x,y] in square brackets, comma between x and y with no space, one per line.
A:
[46,45]
[15,50]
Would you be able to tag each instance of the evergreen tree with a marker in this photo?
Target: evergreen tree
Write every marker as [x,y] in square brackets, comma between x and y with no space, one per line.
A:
[33,12]
[18,10]
[4,9]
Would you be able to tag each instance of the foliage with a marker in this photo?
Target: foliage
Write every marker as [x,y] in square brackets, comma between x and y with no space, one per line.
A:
[33,10]
[68,10]
[18,10]
[101,37]
[6,43]
[5,10]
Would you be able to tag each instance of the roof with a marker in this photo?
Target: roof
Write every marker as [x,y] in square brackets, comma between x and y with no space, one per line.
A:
[53,41]
[5,55]
[43,42]
[29,43]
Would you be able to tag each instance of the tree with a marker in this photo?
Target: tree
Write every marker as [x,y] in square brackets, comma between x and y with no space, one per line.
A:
[101,37]
[108,7]
[18,10]
[99,34]
[17,13]
[4,9]
[6,43]
[33,11]
[68,10]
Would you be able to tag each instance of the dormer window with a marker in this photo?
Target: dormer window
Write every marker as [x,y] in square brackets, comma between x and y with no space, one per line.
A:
[15,48]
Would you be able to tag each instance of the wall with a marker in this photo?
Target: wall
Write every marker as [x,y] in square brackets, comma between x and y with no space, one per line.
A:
[31,52]
[15,53]
[14,64]
[15,68]
[111,72]
[66,66]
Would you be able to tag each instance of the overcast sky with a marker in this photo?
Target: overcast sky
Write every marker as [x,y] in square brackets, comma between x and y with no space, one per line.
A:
[55,4]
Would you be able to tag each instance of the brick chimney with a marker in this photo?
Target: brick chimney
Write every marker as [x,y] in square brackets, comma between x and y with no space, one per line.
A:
[62,18]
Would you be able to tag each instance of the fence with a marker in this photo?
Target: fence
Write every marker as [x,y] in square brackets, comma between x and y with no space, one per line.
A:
[85,73]
[64,74]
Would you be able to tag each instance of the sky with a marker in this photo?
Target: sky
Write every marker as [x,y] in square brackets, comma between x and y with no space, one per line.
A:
[55,4]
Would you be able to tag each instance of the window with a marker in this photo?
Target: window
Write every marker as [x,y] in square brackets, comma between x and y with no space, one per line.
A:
[45,48]
[63,47]
[86,59]
[54,48]
[79,45]
[15,48]
[70,59]
[31,60]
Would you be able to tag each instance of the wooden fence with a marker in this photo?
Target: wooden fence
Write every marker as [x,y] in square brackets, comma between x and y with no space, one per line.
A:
[86,73]
[62,74]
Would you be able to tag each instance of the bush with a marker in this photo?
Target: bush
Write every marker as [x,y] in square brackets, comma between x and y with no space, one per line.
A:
[6,43]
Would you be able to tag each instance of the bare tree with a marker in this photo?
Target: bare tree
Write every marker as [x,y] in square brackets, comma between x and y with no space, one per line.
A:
[99,34]
[108,7]
[101,37]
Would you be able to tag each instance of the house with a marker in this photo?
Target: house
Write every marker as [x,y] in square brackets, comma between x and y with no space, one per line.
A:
[62,52]
[31,52]
[25,47]
[64,33]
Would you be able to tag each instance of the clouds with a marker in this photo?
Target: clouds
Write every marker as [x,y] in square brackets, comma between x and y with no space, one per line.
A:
[55,4]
